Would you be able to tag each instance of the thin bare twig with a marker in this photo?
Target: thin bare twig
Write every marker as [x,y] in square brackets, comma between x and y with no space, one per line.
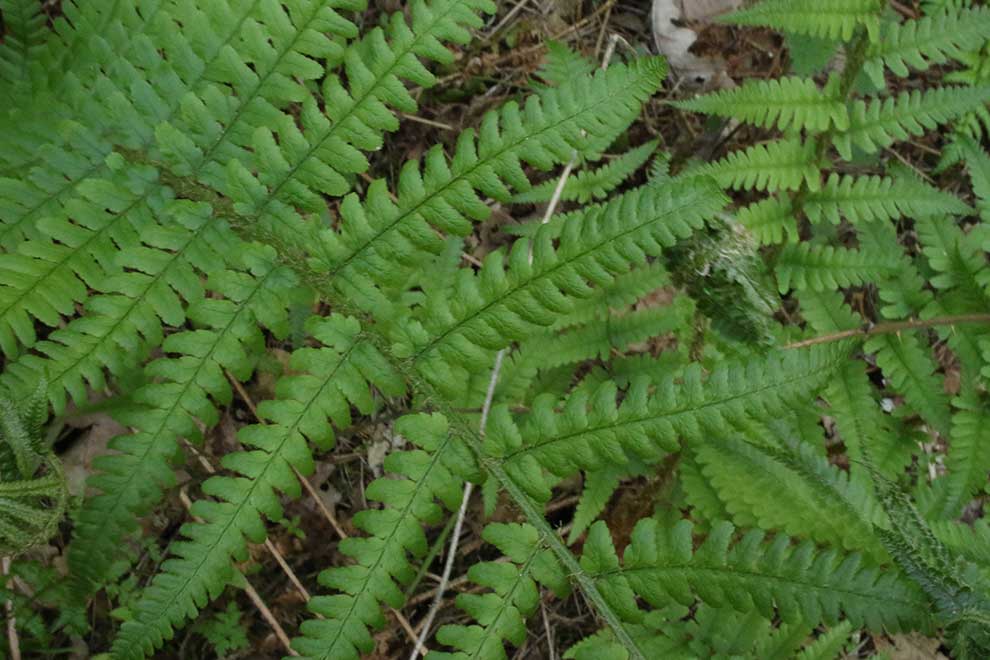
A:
[249,402]
[892,326]
[252,594]
[455,536]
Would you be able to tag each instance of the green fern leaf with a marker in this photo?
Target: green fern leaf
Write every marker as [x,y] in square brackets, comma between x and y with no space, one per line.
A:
[437,194]
[858,418]
[184,389]
[593,431]
[23,39]
[562,64]
[880,123]
[920,43]
[822,503]
[800,583]
[506,302]
[433,471]
[599,486]
[514,595]
[867,198]
[968,458]
[127,319]
[596,184]
[774,166]
[337,377]
[788,103]
[830,19]
[829,646]
[911,371]
[769,220]
[823,267]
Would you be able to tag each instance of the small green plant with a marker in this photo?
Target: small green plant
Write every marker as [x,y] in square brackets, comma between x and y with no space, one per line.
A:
[180,182]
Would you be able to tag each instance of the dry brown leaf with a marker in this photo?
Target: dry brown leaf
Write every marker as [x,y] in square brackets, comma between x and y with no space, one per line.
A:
[674,41]
[78,459]
[911,646]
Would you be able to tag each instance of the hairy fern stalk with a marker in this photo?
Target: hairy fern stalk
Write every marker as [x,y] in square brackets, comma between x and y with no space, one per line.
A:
[792,339]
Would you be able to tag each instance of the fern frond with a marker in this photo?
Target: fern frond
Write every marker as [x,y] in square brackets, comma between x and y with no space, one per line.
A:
[920,43]
[599,486]
[336,377]
[978,166]
[502,612]
[44,280]
[24,37]
[774,166]
[858,418]
[829,19]
[910,370]
[504,302]
[799,583]
[880,123]
[789,103]
[437,194]
[127,319]
[599,338]
[596,184]
[961,276]
[828,646]
[435,470]
[968,458]
[823,267]
[184,389]
[862,199]
[769,220]
[593,431]
[562,64]
[823,504]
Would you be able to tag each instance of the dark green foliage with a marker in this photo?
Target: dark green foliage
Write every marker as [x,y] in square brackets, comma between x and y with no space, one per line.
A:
[792,337]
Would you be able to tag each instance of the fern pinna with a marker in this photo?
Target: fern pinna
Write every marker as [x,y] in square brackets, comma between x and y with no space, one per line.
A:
[791,338]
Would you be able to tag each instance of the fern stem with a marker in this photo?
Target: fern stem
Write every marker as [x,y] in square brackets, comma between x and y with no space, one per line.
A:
[892,327]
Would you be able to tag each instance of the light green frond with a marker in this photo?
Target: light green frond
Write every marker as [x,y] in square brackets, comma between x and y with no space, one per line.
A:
[440,193]
[561,64]
[434,470]
[978,166]
[823,267]
[599,338]
[595,184]
[880,123]
[908,366]
[769,220]
[829,646]
[863,199]
[800,583]
[184,391]
[511,296]
[333,378]
[789,103]
[859,421]
[127,319]
[829,19]
[774,166]
[968,458]
[514,595]
[592,430]
[24,37]
[920,43]
[599,486]
[823,504]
